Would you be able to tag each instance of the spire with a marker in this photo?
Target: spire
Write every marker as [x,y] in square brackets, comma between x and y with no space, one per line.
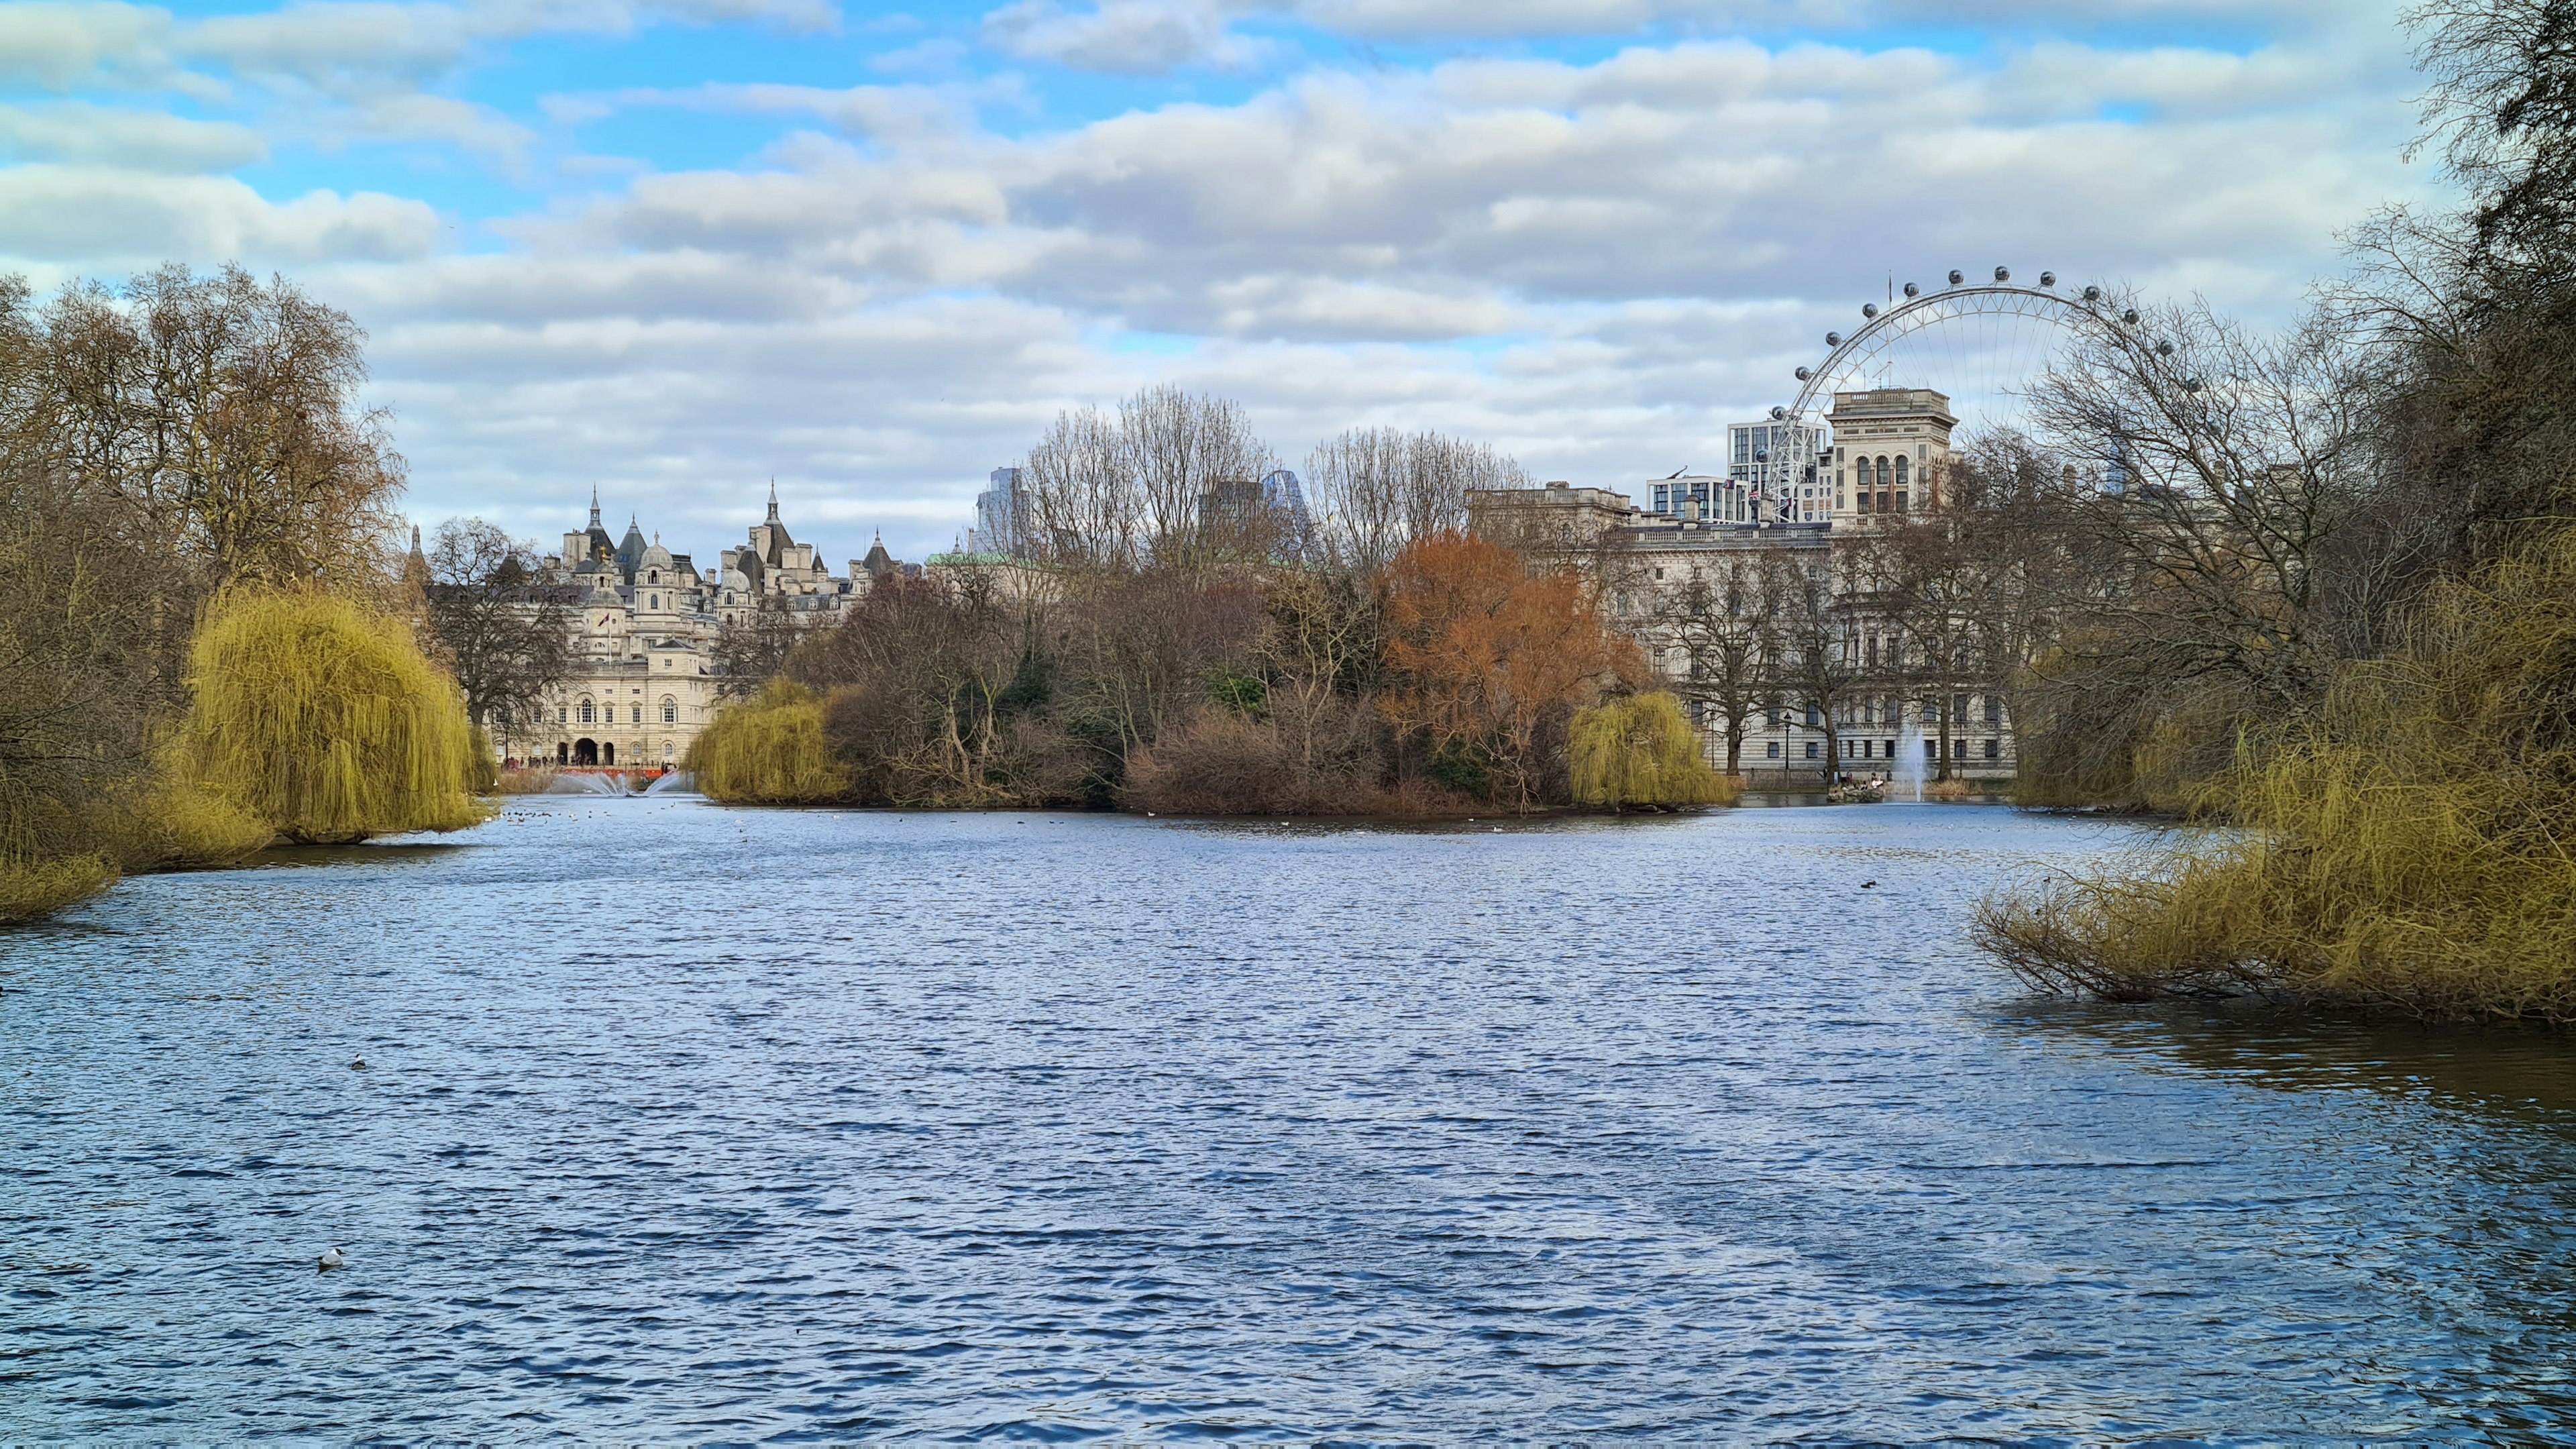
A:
[594,505]
[415,540]
[773,500]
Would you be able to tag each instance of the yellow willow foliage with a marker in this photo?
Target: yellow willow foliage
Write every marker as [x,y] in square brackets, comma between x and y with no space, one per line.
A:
[2407,849]
[324,721]
[35,888]
[1641,750]
[168,821]
[768,751]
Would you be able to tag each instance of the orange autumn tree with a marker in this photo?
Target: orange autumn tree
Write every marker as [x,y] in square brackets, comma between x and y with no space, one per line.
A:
[1489,659]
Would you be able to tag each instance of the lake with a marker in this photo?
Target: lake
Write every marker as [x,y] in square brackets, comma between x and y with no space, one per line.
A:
[685,1122]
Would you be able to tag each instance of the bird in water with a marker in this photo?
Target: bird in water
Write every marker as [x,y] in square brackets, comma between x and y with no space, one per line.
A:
[331,1258]
[1867,884]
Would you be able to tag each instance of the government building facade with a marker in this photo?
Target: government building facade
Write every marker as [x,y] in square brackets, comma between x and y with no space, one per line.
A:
[1796,498]
[647,673]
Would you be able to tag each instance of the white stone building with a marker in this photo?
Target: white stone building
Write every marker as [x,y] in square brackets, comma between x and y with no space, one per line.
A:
[1888,450]
[647,676]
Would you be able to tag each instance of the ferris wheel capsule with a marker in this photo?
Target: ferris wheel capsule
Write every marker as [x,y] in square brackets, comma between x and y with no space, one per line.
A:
[2092,294]
[1805,373]
[2130,317]
[1957,276]
[2164,349]
[1833,339]
[1778,413]
[2003,274]
[1912,290]
[1869,309]
[2048,279]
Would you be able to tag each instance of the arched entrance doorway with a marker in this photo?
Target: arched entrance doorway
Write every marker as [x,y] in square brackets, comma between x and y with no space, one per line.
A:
[585,752]
[608,754]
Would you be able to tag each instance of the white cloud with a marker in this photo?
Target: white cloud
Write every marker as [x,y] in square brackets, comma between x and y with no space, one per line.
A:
[58,46]
[120,219]
[74,131]
[415,116]
[1119,37]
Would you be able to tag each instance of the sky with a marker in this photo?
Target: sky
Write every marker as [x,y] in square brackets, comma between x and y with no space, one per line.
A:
[677,249]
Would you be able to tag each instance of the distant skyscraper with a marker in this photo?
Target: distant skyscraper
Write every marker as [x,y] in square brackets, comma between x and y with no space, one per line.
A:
[1001,518]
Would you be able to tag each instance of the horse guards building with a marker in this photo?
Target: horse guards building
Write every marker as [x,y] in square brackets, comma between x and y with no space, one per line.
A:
[647,678]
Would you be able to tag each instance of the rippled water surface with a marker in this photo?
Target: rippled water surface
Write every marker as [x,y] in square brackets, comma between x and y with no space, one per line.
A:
[680,1122]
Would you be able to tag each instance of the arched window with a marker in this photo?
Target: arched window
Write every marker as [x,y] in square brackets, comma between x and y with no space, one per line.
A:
[585,712]
[1900,472]
[666,752]
[670,710]
[657,602]
[1882,472]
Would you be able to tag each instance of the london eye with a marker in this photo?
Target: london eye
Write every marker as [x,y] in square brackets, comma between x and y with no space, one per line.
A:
[1979,343]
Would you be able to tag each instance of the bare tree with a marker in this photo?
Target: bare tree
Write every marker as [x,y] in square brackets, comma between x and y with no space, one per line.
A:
[1081,505]
[1181,450]
[750,651]
[1173,479]
[505,632]
[1815,667]
[225,410]
[2501,108]
[1728,629]
[1378,489]
[2230,465]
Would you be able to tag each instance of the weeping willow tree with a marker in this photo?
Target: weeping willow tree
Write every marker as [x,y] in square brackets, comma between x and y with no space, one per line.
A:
[323,721]
[1642,751]
[2407,849]
[768,750]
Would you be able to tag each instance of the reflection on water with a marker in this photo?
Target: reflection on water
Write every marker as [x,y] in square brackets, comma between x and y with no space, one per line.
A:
[685,1122]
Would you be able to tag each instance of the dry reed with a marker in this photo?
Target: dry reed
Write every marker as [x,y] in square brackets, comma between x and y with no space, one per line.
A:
[2405,849]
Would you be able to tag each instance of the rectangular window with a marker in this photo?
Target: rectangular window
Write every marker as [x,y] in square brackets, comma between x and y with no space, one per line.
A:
[1814,718]
[1958,709]
[1958,749]
[1994,749]
[1811,749]
[1994,710]
[1772,749]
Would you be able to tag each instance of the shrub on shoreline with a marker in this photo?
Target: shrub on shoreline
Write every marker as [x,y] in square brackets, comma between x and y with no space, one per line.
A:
[1642,751]
[769,750]
[324,721]
[2405,849]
